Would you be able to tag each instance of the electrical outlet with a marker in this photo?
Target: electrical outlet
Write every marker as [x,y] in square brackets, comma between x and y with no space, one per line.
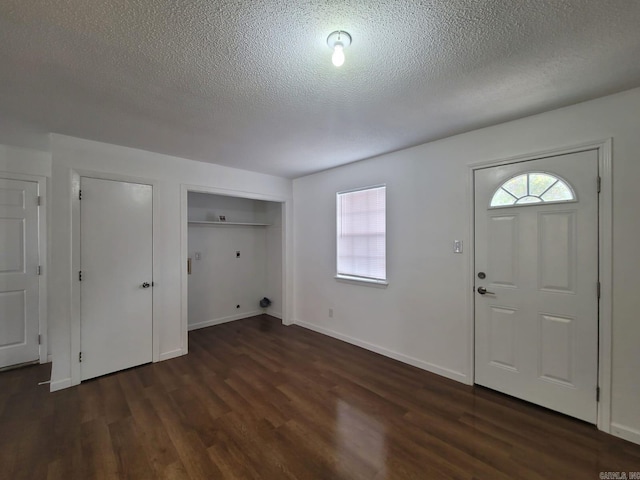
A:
[331,313]
[196,255]
[457,246]
[237,253]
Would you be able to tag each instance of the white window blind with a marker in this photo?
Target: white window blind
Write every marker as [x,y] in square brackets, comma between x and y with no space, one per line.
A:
[361,233]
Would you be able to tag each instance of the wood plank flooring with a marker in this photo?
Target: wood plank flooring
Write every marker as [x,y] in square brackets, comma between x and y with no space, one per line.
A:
[257,400]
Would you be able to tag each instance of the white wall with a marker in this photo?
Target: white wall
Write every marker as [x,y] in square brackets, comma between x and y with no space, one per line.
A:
[220,281]
[208,207]
[23,135]
[169,173]
[423,316]
[25,161]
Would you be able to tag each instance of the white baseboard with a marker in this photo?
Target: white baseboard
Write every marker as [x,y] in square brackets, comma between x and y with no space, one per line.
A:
[60,384]
[170,354]
[627,433]
[274,314]
[49,358]
[218,321]
[430,367]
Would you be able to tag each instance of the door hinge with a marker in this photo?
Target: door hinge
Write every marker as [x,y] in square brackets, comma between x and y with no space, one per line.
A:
[599,184]
[39,269]
[39,200]
[597,394]
[80,276]
[599,289]
[39,339]
[80,194]
[80,357]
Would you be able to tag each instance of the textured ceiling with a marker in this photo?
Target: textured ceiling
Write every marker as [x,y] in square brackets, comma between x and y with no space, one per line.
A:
[250,84]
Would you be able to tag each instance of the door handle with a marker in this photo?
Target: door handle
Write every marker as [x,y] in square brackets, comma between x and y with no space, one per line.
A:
[484,291]
[146,285]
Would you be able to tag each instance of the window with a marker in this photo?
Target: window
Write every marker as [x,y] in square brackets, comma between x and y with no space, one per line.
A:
[361,235]
[530,188]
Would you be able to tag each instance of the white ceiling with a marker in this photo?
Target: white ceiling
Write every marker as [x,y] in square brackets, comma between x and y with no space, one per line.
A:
[250,83]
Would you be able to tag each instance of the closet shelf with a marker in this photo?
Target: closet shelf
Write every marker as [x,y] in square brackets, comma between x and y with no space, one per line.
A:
[223,224]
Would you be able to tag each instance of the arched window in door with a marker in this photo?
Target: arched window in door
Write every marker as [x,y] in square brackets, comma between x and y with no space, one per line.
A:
[532,188]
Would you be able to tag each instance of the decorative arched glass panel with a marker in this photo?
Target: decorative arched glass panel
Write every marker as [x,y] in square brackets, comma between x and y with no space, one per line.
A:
[532,188]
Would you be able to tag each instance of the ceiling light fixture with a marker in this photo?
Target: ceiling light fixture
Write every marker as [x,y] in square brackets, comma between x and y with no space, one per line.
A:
[338,41]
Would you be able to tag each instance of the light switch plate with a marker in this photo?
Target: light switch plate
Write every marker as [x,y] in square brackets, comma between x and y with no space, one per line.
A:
[457,246]
[196,255]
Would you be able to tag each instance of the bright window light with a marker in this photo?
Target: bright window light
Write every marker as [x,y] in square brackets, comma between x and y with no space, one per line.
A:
[361,234]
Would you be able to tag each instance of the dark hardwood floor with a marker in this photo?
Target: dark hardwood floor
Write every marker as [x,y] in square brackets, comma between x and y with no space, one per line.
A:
[254,399]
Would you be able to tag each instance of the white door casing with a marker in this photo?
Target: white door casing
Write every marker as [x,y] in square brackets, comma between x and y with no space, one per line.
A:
[116,260]
[536,338]
[19,279]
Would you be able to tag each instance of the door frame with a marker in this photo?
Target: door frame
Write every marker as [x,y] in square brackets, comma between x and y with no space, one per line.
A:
[76,320]
[43,241]
[287,241]
[605,262]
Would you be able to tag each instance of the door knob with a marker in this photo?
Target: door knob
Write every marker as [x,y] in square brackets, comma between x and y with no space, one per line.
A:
[146,285]
[484,291]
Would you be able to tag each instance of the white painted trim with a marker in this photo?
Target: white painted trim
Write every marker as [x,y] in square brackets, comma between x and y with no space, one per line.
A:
[430,367]
[471,276]
[60,384]
[170,354]
[287,249]
[274,314]
[43,281]
[21,176]
[605,262]
[626,433]
[184,259]
[362,189]
[218,321]
[43,242]
[368,282]
[75,321]
[288,297]
[75,176]
[580,147]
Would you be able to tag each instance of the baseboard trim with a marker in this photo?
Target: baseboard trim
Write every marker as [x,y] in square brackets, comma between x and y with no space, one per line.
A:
[60,384]
[170,354]
[430,367]
[275,314]
[218,321]
[626,433]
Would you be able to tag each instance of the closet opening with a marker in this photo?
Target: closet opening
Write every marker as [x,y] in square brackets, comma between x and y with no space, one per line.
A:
[234,258]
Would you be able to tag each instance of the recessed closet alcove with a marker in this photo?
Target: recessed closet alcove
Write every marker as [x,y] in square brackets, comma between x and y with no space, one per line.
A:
[235,258]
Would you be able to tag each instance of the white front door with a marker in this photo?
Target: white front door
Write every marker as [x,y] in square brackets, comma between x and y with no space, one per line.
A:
[536,277]
[116,238]
[19,282]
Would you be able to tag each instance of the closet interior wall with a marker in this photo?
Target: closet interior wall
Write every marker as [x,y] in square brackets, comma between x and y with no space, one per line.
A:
[225,286]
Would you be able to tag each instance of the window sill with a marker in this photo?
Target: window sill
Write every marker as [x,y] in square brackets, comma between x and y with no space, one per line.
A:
[367,282]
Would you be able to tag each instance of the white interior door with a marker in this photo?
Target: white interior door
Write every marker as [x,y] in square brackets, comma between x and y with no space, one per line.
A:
[536,309]
[116,238]
[19,283]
